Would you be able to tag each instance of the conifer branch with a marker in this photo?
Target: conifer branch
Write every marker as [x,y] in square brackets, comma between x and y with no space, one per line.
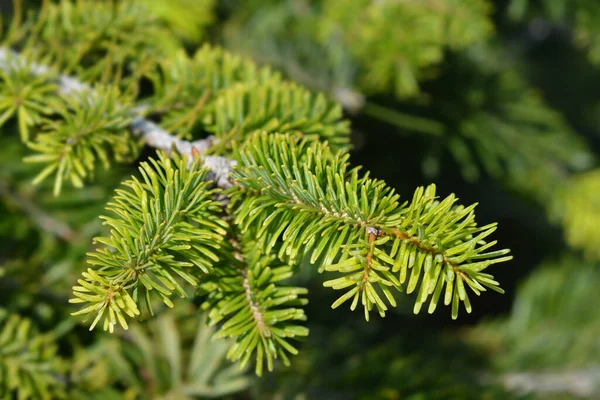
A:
[304,197]
[165,226]
[280,198]
[152,134]
[160,139]
[254,307]
[11,60]
[247,301]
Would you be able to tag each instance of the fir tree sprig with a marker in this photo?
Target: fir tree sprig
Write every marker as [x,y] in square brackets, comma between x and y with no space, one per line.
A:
[246,299]
[306,197]
[276,106]
[232,97]
[163,228]
[99,41]
[78,96]
[181,82]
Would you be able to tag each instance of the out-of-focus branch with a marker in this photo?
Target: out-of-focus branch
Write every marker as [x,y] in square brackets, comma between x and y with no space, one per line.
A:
[152,133]
[44,221]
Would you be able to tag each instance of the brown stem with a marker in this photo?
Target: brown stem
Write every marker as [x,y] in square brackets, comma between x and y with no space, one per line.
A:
[254,306]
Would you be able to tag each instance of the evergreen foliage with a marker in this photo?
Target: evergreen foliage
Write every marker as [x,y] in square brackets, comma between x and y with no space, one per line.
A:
[82,130]
[316,203]
[577,208]
[28,360]
[26,97]
[246,299]
[479,86]
[162,226]
[543,319]
[179,358]
[245,206]
[383,46]
[582,16]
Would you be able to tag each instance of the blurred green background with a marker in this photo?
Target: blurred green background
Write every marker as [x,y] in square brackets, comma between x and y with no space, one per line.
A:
[496,101]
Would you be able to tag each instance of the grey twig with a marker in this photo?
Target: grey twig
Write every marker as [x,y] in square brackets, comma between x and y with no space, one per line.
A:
[158,138]
[10,60]
[152,134]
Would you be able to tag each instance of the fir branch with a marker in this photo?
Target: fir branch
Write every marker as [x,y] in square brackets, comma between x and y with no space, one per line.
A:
[26,97]
[11,60]
[246,299]
[160,139]
[303,196]
[233,97]
[165,226]
[257,315]
[275,106]
[88,127]
[152,134]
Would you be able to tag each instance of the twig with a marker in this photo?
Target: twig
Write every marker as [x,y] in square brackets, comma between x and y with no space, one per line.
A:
[152,134]
[257,314]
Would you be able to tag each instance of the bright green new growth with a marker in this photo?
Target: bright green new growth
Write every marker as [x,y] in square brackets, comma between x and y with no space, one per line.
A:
[164,226]
[305,197]
[290,198]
